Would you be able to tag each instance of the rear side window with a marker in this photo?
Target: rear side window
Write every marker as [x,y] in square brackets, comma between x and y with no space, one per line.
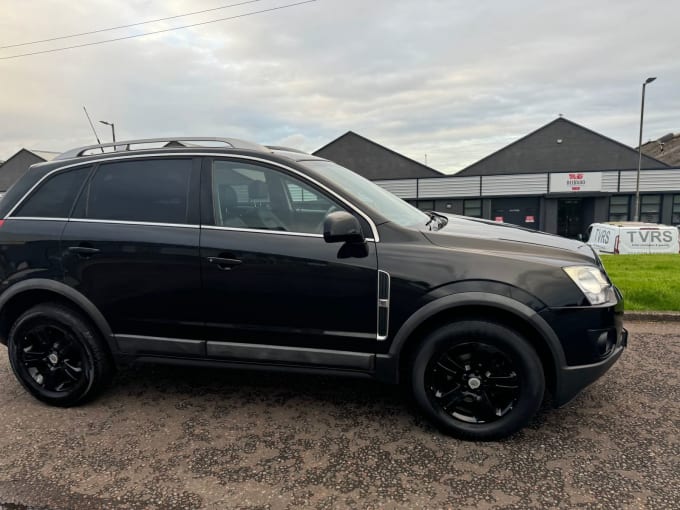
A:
[149,190]
[54,197]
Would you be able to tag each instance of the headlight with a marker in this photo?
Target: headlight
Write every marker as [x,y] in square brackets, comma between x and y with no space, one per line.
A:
[592,282]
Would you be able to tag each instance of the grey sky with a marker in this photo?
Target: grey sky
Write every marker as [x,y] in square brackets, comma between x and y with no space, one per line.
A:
[454,80]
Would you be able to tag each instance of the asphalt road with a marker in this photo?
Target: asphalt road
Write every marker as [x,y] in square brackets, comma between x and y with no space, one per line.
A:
[180,439]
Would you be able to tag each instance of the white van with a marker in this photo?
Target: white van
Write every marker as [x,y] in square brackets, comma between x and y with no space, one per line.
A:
[633,237]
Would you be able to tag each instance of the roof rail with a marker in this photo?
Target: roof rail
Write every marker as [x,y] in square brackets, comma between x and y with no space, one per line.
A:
[125,145]
[285,149]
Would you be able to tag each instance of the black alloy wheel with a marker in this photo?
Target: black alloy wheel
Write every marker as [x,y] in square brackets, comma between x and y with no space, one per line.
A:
[52,358]
[58,356]
[473,382]
[477,380]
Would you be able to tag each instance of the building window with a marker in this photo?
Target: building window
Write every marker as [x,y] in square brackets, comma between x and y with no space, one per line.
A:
[472,208]
[426,205]
[675,216]
[619,206]
[650,208]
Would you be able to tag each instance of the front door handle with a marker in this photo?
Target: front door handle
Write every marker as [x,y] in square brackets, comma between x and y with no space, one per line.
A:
[83,251]
[223,263]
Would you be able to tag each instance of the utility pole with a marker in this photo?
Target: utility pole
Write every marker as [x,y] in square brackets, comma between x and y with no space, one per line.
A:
[636,216]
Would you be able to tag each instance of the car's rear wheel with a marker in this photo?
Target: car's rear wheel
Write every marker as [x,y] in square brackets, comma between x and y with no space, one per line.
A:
[58,356]
[477,380]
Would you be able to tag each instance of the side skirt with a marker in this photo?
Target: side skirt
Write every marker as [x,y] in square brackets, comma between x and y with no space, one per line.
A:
[176,348]
[244,365]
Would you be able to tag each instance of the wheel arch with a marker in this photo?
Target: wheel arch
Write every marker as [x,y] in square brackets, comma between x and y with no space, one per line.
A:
[480,306]
[23,295]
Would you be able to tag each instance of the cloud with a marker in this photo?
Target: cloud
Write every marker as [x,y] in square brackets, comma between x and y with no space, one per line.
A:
[450,79]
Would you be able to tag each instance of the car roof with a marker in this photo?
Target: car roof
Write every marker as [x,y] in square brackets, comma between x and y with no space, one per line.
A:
[186,143]
[177,146]
[172,145]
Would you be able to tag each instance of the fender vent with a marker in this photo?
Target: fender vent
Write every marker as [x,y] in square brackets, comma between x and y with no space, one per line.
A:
[383,304]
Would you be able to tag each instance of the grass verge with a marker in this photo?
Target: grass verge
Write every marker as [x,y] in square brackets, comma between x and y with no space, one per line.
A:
[647,282]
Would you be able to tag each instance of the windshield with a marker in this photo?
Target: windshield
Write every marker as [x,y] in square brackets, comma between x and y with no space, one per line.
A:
[387,204]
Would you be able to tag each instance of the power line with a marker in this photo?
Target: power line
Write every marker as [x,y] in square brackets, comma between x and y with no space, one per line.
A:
[278,8]
[128,26]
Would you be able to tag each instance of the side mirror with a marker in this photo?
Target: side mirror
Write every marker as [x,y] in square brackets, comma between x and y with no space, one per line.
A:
[342,227]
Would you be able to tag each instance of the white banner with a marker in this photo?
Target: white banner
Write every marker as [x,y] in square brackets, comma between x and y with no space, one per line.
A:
[575,182]
[625,240]
[649,240]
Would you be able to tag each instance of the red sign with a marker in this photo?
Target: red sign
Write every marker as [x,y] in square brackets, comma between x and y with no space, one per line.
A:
[529,219]
[575,181]
[499,219]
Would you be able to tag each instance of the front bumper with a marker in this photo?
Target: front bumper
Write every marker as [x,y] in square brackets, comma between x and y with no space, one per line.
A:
[571,380]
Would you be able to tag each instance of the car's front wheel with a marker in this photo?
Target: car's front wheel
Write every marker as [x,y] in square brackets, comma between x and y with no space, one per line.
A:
[57,355]
[477,380]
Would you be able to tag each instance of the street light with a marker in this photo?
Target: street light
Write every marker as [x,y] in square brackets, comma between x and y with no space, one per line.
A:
[113,129]
[636,217]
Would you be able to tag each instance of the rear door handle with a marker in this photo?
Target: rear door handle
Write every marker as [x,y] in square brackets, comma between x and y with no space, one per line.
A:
[224,263]
[83,251]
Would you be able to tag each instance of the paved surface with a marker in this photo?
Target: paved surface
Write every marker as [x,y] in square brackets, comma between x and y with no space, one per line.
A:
[649,316]
[180,439]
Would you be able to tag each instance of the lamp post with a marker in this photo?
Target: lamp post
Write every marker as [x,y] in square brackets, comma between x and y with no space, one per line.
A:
[113,129]
[636,217]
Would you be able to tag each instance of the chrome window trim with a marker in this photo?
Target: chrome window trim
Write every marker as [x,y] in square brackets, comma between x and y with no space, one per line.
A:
[305,177]
[37,218]
[130,222]
[261,231]
[264,231]
[179,225]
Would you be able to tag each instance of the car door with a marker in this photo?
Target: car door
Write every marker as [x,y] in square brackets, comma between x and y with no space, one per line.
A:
[33,227]
[273,289]
[131,247]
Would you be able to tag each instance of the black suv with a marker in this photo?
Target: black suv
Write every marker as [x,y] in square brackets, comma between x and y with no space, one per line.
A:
[219,252]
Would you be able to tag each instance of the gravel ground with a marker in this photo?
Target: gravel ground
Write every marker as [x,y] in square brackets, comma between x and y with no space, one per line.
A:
[180,439]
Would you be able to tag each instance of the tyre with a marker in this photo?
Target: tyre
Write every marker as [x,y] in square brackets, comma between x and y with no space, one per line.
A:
[58,356]
[477,380]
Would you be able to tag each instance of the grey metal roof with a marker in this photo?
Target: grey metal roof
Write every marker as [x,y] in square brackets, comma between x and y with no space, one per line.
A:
[560,146]
[45,155]
[371,159]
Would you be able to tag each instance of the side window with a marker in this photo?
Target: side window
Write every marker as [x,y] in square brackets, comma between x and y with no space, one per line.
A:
[255,197]
[146,190]
[54,197]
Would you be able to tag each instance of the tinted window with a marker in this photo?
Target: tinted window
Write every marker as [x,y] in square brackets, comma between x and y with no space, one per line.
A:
[618,208]
[472,208]
[54,197]
[254,197]
[675,220]
[148,190]
[650,208]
